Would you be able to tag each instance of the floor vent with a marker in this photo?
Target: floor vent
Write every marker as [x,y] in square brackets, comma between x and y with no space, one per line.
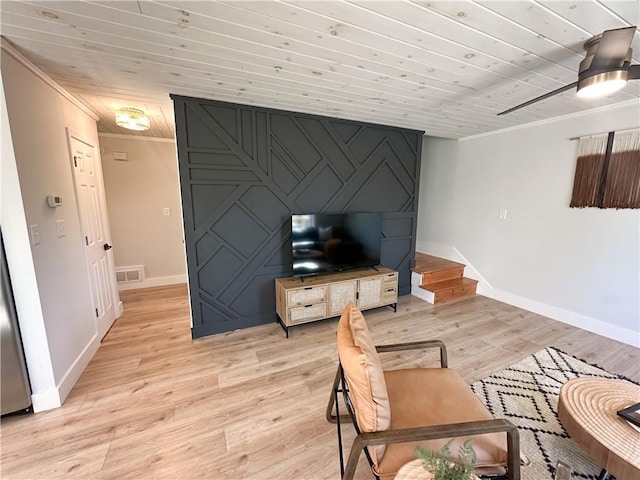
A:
[130,274]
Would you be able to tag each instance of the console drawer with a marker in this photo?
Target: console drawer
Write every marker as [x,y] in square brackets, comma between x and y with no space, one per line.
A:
[390,280]
[389,295]
[307,312]
[307,295]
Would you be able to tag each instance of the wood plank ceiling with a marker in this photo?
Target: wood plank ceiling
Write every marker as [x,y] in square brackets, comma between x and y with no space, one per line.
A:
[446,67]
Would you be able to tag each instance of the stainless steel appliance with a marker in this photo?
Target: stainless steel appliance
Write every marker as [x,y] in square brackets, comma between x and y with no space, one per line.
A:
[15,394]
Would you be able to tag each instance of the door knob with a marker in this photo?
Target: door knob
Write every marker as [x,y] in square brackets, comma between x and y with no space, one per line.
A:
[106,246]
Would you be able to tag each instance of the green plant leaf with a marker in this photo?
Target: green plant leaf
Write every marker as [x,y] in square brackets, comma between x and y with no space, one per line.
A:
[444,466]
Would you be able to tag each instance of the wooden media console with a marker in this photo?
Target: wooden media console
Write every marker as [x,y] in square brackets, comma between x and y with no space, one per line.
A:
[308,299]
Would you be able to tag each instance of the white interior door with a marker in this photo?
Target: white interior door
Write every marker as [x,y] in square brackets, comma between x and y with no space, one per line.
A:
[93,215]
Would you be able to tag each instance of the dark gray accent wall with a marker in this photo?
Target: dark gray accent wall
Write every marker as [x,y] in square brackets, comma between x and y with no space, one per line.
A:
[245,170]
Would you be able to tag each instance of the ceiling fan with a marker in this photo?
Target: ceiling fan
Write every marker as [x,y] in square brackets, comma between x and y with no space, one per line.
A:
[605,68]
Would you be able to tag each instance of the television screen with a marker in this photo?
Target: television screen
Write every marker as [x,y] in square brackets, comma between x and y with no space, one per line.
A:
[335,242]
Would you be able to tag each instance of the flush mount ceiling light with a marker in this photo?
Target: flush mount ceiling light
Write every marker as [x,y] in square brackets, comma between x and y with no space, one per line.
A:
[133,119]
[602,84]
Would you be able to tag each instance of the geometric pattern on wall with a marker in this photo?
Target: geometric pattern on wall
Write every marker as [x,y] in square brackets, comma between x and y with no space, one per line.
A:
[244,170]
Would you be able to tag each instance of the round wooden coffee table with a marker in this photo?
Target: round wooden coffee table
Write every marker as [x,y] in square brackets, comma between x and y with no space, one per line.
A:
[587,409]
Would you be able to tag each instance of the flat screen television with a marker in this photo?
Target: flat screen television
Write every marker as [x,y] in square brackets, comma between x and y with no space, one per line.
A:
[336,242]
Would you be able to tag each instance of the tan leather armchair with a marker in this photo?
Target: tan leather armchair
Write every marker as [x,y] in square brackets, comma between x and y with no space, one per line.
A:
[395,410]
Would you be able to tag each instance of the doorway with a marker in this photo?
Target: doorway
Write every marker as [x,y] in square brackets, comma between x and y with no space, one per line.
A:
[91,202]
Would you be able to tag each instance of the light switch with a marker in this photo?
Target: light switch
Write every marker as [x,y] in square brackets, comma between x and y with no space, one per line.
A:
[60,227]
[35,234]
[503,214]
[167,211]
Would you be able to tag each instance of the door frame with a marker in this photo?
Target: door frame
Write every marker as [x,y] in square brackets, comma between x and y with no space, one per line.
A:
[71,134]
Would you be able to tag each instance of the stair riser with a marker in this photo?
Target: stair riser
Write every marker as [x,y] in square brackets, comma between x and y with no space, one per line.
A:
[440,275]
[452,293]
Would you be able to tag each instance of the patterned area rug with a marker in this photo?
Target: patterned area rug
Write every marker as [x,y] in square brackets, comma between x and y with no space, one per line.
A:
[526,393]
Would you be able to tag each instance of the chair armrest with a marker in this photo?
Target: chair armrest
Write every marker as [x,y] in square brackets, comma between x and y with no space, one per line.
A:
[397,347]
[440,431]
[432,432]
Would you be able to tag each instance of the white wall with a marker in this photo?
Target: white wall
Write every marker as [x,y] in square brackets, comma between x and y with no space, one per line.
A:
[138,190]
[55,310]
[580,266]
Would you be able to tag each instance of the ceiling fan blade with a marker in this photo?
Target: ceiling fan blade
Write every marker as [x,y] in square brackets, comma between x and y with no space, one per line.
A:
[541,97]
[612,48]
[634,72]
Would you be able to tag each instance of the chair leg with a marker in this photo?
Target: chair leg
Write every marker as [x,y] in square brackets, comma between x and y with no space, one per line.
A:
[337,418]
[338,427]
[513,459]
[333,400]
[354,456]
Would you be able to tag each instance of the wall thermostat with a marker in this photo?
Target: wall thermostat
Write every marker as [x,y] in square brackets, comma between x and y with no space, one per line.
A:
[54,201]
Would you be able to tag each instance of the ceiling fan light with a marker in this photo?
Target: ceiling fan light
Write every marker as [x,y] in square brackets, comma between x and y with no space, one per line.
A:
[133,119]
[602,84]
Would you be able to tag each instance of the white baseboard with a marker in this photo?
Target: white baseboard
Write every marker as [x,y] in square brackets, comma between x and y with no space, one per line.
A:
[589,324]
[471,272]
[453,254]
[73,374]
[484,288]
[436,249]
[54,397]
[153,282]
[46,400]
[416,291]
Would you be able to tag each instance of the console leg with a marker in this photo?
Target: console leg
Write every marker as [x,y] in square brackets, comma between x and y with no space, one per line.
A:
[604,475]
[284,327]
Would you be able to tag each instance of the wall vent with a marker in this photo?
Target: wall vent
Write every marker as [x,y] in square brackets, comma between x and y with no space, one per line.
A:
[130,274]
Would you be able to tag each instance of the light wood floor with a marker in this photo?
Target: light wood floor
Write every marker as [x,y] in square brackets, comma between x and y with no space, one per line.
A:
[250,404]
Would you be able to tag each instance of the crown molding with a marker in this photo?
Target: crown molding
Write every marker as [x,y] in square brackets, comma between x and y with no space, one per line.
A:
[11,50]
[546,121]
[122,136]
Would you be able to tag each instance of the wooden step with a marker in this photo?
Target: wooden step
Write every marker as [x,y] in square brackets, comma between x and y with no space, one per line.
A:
[451,289]
[435,276]
[428,263]
[443,279]
[436,269]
